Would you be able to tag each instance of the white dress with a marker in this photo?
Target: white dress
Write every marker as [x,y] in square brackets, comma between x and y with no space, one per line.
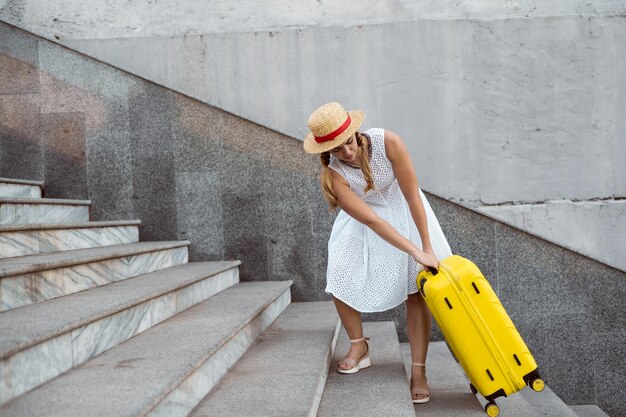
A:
[365,271]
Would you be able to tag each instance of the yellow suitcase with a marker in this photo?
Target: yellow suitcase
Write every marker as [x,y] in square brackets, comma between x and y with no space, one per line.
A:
[478,330]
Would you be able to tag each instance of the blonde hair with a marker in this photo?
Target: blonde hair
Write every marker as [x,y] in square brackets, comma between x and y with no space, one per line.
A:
[327,181]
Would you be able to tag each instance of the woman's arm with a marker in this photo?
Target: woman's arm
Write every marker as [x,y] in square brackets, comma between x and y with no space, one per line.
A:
[349,202]
[398,154]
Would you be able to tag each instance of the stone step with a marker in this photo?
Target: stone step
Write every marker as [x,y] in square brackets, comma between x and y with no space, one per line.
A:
[169,368]
[28,279]
[513,406]
[29,239]
[57,335]
[284,372]
[450,392]
[591,410]
[380,390]
[20,188]
[547,403]
[450,395]
[43,210]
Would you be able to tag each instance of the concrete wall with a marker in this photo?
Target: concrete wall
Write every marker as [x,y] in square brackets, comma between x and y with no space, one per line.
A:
[519,100]
[241,191]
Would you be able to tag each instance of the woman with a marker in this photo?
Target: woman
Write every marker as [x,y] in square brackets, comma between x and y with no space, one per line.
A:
[385,233]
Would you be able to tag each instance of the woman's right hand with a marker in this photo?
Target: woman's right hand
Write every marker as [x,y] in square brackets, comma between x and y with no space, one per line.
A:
[427,260]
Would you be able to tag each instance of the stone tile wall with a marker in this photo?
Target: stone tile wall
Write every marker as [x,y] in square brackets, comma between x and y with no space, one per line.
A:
[238,190]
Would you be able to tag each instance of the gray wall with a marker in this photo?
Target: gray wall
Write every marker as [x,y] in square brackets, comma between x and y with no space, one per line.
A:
[523,98]
[241,191]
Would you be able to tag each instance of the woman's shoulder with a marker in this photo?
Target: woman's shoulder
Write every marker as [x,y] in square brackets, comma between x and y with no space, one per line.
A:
[375,132]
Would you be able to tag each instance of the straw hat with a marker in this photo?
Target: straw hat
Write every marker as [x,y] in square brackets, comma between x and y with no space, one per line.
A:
[331,126]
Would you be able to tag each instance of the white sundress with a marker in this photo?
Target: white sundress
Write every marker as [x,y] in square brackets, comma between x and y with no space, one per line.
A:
[365,271]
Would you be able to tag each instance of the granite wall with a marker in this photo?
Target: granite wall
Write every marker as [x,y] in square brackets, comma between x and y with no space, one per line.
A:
[237,190]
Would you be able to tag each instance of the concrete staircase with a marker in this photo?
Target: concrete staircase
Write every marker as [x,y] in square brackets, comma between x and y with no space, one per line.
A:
[95,323]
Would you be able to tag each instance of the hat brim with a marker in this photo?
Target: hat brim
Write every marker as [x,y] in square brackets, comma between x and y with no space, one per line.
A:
[311,146]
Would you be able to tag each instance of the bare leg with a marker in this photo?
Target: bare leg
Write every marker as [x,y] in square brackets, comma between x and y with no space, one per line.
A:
[351,320]
[418,329]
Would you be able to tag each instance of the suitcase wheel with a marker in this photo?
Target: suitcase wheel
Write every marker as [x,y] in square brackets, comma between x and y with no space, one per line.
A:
[422,283]
[537,384]
[473,388]
[492,409]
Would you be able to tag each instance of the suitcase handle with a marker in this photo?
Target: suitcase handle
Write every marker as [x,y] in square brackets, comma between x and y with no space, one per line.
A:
[433,271]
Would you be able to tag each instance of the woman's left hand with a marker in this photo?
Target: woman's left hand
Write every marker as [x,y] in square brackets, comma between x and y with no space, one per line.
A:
[431,252]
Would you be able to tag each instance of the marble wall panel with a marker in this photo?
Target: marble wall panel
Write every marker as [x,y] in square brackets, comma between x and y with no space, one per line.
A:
[18,243]
[562,346]
[199,213]
[118,235]
[608,353]
[153,160]
[49,284]
[164,307]
[18,291]
[7,214]
[64,154]
[19,62]
[20,138]
[95,338]
[30,368]
[53,240]
[74,83]
[533,272]
[19,190]
[43,213]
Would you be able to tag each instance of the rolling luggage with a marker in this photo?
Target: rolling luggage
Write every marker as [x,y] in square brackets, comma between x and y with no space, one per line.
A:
[478,330]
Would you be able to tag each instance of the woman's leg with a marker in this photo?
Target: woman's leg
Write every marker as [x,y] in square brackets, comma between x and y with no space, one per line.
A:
[351,320]
[418,324]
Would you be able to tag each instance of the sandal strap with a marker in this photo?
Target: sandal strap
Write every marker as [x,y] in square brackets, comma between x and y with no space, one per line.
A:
[348,361]
[360,339]
[421,365]
[420,391]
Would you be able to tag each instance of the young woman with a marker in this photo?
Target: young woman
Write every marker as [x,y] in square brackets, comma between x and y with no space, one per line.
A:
[384,234]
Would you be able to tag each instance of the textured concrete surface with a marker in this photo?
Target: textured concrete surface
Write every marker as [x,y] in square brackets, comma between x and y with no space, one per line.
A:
[524,90]
[284,372]
[135,376]
[195,16]
[380,390]
[594,228]
[273,217]
[547,403]
[520,93]
[588,411]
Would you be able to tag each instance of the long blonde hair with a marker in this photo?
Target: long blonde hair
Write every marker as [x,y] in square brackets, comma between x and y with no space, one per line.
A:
[326,179]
